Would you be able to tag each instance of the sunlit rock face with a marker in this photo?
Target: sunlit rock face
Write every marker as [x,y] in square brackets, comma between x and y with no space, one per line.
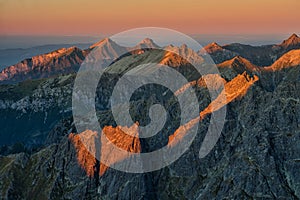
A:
[259,55]
[88,143]
[62,61]
[290,59]
[257,155]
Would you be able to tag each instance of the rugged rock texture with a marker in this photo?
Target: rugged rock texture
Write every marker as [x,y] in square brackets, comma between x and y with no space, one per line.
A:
[258,55]
[68,60]
[237,65]
[116,135]
[29,110]
[218,53]
[146,43]
[62,61]
[290,59]
[256,157]
[293,42]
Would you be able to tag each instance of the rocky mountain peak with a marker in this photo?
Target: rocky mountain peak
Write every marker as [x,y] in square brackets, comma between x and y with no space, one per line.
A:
[64,60]
[293,37]
[213,47]
[292,42]
[237,60]
[108,50]
[104,42]
[146,43]
[237,65]
[175,56]
[260,135]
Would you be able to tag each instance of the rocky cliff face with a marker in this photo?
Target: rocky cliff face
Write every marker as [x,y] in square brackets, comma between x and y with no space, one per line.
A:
[256,157]
[67,60]
[62,61]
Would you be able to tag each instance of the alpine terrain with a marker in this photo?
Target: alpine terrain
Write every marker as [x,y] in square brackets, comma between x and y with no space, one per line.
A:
[42,155]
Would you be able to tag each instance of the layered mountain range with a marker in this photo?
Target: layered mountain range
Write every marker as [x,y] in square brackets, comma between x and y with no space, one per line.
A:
[63,61]
[42,155]
[68,60]
[258,55]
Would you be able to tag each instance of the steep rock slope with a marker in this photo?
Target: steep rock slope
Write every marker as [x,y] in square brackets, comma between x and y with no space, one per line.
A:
[62,61]
[237,65]
[293,42]
[258,55]
[217,52]
[254,158]
[290,59]
[257,155]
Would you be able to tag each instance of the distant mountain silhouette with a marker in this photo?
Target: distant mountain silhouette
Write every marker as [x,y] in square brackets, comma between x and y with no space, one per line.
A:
[258,55]
[68,60]
[10,57]
[61,61]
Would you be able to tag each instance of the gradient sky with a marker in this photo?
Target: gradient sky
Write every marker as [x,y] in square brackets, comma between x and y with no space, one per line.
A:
[92,17]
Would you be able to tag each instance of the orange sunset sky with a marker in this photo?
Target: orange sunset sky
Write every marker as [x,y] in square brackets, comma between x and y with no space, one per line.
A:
[91,17]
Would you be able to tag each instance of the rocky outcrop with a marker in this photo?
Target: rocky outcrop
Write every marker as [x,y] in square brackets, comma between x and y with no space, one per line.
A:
[218,53]
[88,143]
[259,55]
[146,43]
[62,61]
[256,157]
[237,65]
[290,59]
[293,42]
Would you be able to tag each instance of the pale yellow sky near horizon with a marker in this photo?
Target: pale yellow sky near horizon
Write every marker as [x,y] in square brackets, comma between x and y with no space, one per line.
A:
[90,17]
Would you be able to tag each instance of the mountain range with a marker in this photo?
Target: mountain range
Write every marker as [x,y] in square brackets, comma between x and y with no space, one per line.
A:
[12,56]
[258,55]
[68,60]
[256,157]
